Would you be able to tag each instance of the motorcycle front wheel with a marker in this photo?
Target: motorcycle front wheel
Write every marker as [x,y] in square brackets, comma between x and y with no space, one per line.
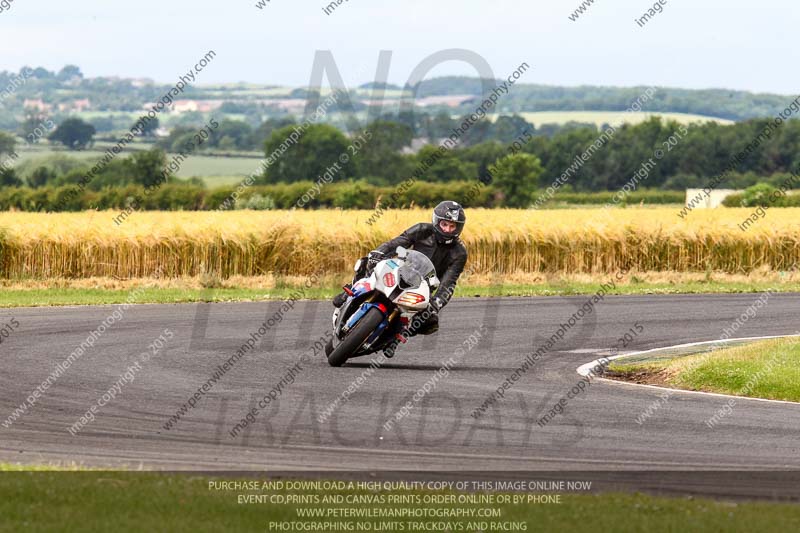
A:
[356,337]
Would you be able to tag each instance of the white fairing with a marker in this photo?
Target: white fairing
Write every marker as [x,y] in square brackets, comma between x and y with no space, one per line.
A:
[379,275]
[386,278]
[377,281]
[411,300]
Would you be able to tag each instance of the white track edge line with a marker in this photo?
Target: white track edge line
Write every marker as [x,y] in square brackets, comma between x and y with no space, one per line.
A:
[584,370]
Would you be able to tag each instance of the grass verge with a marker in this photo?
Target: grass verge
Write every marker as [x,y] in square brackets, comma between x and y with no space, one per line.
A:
[39,294]
[126,501]
[765,369]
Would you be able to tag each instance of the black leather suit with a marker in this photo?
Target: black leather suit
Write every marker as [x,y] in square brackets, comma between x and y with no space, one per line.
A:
[447,259]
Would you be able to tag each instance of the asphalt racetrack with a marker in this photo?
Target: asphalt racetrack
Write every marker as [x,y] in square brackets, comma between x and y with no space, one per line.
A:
[598,430]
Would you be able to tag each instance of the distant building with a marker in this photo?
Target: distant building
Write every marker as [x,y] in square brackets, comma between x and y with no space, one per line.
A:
[454,100]
[202,106]
[708,202]
[184,106]
[76,105]
[142,82]
[36,104]
[206,106]
[292,105]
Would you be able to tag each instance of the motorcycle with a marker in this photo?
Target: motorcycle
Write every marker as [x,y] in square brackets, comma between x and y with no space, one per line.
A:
[380,306]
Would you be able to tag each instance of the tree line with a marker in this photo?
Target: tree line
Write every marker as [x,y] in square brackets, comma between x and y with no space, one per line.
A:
[688,155]
[524,162]
[120,94]
[719,103]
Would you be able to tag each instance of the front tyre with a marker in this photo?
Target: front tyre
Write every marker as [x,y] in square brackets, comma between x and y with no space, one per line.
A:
[356,337]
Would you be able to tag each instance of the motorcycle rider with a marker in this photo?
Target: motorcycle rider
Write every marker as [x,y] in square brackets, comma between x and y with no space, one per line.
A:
[440,242]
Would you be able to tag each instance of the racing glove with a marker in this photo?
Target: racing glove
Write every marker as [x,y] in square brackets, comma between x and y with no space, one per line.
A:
[436,305]
[373,259]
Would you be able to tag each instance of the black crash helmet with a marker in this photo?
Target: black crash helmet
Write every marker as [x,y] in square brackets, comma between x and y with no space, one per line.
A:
[452,212]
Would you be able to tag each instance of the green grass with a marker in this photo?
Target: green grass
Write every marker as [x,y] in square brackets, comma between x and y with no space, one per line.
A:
[222,181]
[88,116]
[41,152]
[765,369]
[204,166]
[133,501]
[25,297]
[610,117]
[245,91]
[215,170]
[56,297]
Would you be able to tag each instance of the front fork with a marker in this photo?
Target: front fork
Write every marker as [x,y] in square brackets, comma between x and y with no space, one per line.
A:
[364,307]
[342,328]
[379,332]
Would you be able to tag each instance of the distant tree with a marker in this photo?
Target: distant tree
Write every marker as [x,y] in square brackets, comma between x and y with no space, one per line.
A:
[439,126]
[69,72]
[380,159]
[380,85]
[319,148]
[304,94]
[232,108]
[74,133]
[516,177]
[191,119]
[57,164]
[390,135]
[149,127]
[232,134]
[413,120]
[8,178]
[446,166]
[41,176]
[103,124]
[177,139]
[484,155]
[33,121]
[506,129]
[7,143]
[146,167]
[140,168]
[266,128]
[760,195]
[478,132]
[353,196]
[42,73]
[185,142]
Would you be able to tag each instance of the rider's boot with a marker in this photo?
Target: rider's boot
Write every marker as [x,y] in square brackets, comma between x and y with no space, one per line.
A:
[389,349]
[341,298]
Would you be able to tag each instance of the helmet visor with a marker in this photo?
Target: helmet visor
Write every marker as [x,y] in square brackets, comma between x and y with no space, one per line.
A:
[447,226]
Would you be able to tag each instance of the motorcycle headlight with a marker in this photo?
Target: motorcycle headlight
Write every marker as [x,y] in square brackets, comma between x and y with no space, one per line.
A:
[411,298]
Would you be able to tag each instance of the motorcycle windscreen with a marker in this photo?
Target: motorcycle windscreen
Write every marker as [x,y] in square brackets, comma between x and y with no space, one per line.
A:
[417,268]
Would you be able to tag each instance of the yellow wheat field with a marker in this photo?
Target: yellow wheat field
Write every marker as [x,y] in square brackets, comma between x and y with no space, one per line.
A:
[249,243]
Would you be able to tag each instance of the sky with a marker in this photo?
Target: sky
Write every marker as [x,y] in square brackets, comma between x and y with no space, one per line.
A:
[690,44]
